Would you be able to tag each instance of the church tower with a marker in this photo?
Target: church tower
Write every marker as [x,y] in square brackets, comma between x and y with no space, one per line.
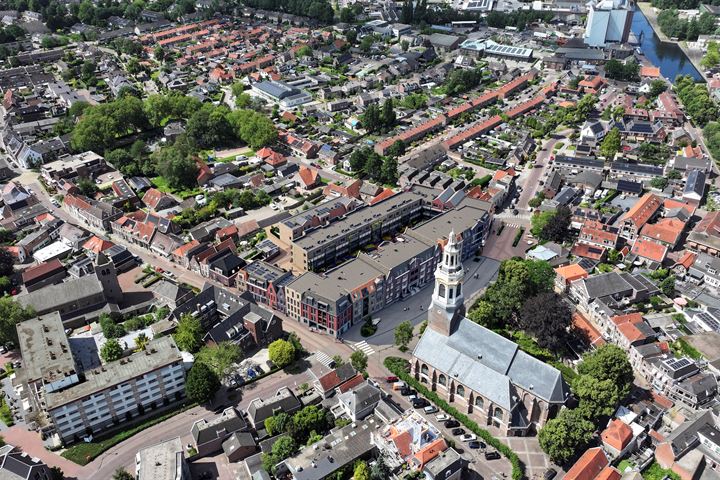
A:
[107,276]
[448,307]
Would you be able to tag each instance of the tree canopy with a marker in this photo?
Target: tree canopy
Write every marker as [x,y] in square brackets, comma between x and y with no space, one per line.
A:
[517,280]
[111,350]
[201,383]
[281,353]
[403,334]
[547,318]
[189,333]
[12,313]
[220,358]
[565,436]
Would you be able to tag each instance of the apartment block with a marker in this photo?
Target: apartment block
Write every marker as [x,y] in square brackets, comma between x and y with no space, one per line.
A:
[118,391]
[327,246]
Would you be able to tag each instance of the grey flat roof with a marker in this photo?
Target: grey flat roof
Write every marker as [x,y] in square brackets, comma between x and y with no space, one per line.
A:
[458,219]
[45,349]
[359,218]
[159,352]
[161,461]
[391,254]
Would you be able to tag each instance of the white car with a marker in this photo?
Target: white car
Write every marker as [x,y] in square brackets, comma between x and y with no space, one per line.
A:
[468,437]
[441,417]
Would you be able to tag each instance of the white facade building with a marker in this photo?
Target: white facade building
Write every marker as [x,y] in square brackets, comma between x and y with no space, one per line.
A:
[608,21]
[119,391]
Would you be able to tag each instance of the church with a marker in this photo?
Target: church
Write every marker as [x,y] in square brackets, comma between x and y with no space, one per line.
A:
[479,372]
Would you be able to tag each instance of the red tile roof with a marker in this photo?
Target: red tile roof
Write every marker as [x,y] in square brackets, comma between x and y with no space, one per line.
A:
[593,335]
[617,435]
[643,210]
[588,251]
[647,71]
[42,269]
[571,272]
[667,230]
[649,249]
[588,466]
[308,176]
[385,194]
[97,244]
[687,259]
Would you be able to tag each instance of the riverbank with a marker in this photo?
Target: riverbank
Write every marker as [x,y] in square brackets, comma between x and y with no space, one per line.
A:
[693,55]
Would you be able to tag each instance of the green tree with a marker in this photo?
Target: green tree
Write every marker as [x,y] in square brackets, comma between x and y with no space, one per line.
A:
[209,127]
[359,360]
[547,318]
[304,51]
[283,448]
[87,187]
[7,262]
[122,474]
[278,423]
[201,383]
[387,117]
[220,358]
[611,143]
[565,436]
[309,419]
[389,171]
[189,333]
[281,353]
[56,473]
[609,362]
[141,342]
[597,398]
[539,221]
[659,182]
[12,313]
[403,335]
[111,350]
[557,227]
[177,168]
[361,471]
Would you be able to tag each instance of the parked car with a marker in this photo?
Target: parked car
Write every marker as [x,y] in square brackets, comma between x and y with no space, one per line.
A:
[549,474]
[430,409]
[420,403]
[458,431]
[391,379]
[452,424]
[441,417]
[468,437]
[492,455]
[474,445]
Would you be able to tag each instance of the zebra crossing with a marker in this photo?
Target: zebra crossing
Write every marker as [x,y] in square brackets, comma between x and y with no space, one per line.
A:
[363,347]
[324,359]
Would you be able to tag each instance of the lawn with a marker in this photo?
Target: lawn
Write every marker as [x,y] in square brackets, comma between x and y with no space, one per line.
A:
[162,185]
[84,453]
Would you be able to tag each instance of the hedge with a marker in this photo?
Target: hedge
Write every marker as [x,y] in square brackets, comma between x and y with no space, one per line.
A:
[399,368]
[518,236]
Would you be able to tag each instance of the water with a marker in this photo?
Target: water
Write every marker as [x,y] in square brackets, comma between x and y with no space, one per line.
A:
[668,56]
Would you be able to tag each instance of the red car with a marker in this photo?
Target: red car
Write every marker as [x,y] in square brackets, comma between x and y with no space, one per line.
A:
[391,379]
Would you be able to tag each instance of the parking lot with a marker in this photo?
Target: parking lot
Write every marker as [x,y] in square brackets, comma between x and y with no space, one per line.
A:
[486,469]
[249,368]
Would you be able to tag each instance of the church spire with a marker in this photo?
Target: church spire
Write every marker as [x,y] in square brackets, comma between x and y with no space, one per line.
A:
[448,308]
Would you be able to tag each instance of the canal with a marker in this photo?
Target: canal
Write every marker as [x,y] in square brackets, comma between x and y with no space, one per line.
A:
[668,56]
